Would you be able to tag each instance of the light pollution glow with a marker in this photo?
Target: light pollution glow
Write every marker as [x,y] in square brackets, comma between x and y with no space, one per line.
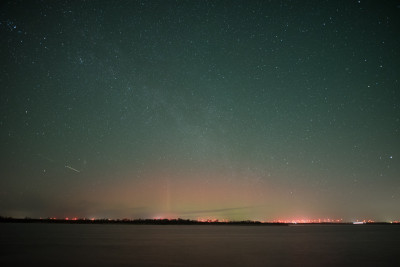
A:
[206,196]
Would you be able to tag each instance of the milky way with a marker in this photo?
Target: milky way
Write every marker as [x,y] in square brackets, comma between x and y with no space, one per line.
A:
[200,109]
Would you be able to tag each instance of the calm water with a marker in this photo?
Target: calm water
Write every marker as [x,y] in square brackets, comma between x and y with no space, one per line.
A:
[144,245]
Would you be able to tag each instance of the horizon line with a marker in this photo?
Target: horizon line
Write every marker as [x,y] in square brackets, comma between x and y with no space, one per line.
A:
[188,221]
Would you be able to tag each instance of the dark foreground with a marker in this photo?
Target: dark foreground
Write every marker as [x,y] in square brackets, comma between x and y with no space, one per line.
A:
[34,244]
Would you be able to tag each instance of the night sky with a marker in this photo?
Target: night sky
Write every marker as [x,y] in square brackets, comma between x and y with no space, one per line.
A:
[259,110]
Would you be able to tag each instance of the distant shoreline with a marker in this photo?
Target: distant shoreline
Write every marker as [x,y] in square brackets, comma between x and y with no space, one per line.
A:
[135,221]
[173,222]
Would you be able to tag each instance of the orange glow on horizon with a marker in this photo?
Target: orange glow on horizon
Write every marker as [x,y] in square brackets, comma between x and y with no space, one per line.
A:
[319,220]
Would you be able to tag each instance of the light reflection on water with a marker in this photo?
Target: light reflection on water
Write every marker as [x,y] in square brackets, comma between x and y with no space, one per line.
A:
[198,245]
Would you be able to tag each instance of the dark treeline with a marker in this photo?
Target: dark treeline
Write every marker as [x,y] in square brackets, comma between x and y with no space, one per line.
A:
[134,221]
[168,222]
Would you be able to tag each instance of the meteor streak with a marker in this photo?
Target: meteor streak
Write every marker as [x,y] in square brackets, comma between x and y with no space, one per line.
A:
[69,167]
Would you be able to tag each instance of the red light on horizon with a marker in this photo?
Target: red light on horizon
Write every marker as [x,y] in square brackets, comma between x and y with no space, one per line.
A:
[319,220]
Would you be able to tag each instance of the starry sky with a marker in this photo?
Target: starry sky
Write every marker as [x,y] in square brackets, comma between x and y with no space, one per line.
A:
[234,110]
